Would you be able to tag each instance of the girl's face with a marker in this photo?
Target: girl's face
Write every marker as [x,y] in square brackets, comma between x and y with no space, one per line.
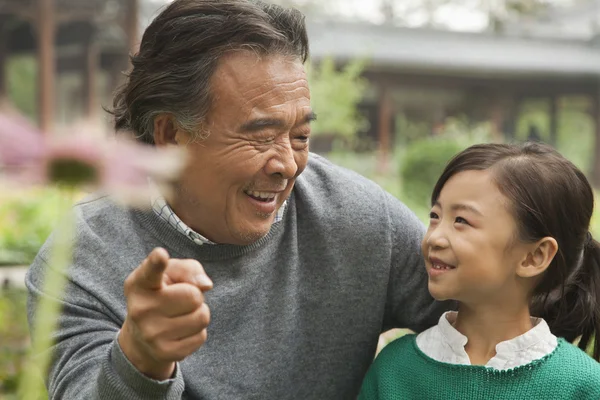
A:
[471,249]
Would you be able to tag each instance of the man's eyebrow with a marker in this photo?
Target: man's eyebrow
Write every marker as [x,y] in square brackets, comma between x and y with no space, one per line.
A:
[461,207]
[312,116]
[263,123]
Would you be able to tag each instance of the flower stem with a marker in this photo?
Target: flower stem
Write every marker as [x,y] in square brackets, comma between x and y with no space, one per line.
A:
[48,309]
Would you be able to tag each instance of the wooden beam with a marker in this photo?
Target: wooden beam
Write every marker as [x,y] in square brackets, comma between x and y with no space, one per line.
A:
[132,25]
[46,53]
[527,86]
[512,118]
[553,111]
[89,77]
[498,118]
[3,62]
[64,13]
[18,10]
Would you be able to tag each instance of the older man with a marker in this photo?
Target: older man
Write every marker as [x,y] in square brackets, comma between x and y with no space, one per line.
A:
[272,272]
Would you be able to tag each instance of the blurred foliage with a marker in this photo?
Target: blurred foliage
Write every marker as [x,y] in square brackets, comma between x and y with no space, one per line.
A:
[422,165]
[14,338]
[574,121]
[424,159]
[25,223]
[335,95]
[21,72]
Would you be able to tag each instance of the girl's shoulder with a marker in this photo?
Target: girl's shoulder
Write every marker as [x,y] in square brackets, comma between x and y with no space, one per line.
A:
[577,361]
[405,347]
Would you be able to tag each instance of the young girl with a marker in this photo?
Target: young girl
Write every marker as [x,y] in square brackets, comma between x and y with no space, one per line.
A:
[508,239]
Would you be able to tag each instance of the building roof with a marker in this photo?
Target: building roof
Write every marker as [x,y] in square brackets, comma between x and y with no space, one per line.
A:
[392,48]
[578,21]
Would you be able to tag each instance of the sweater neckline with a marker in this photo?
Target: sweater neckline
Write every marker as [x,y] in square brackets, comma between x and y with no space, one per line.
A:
[176,242]
[482,368]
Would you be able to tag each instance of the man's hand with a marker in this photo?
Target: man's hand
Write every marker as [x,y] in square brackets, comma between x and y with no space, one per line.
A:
[166,314]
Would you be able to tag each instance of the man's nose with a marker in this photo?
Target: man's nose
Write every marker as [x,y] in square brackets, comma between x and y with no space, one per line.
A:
[282,162]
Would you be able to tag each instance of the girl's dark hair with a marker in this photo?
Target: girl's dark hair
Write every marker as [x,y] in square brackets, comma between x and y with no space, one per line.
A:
[549,196]
[181,49]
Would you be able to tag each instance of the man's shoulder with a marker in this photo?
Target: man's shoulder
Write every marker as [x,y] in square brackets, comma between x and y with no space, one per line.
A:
[99,208]
[321,171]
[334,187]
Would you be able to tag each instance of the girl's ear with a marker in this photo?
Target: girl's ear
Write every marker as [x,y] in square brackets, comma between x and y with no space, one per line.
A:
[538,258]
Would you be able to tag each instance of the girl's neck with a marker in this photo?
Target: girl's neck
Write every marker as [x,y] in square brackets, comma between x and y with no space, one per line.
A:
[485,326]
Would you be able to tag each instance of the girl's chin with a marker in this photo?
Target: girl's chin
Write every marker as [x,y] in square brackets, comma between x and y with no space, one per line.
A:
[440,295]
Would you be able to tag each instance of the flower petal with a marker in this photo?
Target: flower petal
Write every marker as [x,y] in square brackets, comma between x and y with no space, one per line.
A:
[130,164]
[21,143]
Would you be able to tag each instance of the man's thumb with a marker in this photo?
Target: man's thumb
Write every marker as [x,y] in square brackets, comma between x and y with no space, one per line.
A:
[153,267]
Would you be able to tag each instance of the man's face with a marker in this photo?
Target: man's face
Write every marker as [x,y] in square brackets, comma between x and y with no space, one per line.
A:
[258,127]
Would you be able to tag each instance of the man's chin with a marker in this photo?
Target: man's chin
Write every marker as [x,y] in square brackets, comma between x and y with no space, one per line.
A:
[249,237]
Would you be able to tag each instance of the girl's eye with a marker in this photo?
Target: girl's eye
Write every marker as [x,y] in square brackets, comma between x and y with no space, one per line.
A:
[433,215]
[461,220]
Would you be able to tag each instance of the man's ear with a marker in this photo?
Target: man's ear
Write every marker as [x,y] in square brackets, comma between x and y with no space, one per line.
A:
[167,131]
[538,259]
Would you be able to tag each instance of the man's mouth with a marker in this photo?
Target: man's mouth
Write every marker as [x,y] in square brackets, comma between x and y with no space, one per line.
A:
[264,197]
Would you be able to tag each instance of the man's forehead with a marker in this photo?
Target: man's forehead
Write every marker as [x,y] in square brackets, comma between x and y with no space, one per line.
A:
[249,75]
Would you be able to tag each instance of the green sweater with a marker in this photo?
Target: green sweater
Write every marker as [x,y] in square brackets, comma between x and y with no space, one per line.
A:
[402,371]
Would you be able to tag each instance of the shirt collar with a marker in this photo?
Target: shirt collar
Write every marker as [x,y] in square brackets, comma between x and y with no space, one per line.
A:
[162,209]
[506,349]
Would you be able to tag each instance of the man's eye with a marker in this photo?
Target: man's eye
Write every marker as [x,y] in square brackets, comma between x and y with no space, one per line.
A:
[266,140]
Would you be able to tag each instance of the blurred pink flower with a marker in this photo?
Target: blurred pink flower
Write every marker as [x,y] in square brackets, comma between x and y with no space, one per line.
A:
[83,157]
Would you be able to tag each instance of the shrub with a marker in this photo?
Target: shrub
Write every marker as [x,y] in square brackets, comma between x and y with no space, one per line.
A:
[25,223]
[14,337]
[422,165]
[335,95]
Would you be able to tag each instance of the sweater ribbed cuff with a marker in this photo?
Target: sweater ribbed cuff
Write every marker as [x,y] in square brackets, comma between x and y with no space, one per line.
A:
[126,382]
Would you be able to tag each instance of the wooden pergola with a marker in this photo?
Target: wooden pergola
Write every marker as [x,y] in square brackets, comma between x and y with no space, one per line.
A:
[492,75]
[67,35]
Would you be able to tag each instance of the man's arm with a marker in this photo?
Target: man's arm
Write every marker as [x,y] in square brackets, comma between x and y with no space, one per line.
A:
[409,304]
[88,362]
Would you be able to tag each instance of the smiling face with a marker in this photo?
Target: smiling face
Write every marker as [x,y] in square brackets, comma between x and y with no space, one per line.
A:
[471,251]
[258,127]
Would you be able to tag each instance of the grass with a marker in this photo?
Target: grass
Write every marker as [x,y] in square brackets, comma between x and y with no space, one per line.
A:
[14,338]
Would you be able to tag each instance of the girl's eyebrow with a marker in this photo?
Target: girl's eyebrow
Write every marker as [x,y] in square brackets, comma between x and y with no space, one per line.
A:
[462,207]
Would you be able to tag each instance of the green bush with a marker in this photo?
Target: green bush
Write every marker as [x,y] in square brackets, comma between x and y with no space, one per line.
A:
[14,338]
[26,222]
[422,165]
[335,95]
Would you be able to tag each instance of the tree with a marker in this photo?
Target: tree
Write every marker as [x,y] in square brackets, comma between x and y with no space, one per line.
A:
[335,95]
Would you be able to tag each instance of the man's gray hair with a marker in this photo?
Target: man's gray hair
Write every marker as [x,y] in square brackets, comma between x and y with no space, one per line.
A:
[179,53]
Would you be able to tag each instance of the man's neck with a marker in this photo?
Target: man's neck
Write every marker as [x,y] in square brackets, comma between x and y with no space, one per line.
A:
[486,325]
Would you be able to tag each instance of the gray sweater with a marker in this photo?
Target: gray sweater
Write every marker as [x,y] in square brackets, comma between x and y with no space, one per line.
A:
[296,315]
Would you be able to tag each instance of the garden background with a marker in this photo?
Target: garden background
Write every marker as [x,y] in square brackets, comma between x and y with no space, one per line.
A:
[398,134]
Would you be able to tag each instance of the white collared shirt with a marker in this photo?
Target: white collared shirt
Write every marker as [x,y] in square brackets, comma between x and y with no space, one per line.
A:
[446,344]
[165,212]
